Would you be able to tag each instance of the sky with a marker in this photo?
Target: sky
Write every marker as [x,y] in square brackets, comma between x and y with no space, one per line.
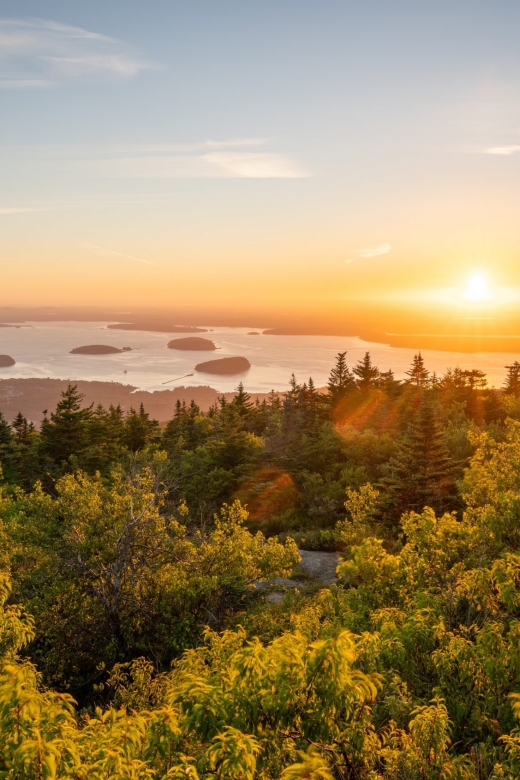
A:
[286,154]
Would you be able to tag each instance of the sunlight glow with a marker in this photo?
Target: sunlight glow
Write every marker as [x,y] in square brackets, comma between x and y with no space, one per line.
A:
[477,289]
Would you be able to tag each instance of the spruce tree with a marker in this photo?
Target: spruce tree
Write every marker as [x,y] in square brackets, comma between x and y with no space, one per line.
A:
[418,373]
[387,382]
[341,381]
[512,381]
[242,401]
[5,432]
[139,429]
[421,473]
[65,434]
[366,373]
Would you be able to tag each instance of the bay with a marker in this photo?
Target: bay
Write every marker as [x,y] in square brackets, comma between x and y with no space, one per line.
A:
[41,349]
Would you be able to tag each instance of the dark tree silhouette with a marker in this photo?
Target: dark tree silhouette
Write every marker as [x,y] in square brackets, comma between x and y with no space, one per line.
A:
[418,373]
[340,381]
[366,373]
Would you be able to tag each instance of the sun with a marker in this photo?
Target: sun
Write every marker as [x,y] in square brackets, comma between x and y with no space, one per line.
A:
[477,290]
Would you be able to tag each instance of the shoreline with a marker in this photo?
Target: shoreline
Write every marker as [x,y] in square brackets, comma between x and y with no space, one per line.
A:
[32,396]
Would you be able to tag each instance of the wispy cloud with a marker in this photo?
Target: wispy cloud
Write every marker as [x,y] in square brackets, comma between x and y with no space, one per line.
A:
[502,150]
[38,53]
[243,158]
[371,251]
[20,210]
[255,165]
[111,253]
[374,251]
[24,83]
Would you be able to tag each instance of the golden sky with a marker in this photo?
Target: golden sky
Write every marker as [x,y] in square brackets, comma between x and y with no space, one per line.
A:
[288,158]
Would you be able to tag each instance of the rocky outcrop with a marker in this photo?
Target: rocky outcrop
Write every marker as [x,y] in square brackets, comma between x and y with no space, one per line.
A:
[224,366]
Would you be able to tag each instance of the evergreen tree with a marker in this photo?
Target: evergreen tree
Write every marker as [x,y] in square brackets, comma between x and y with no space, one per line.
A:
[418,373]
[474,379]
[366,373]
[512,381]
[242,401]
[5,432]
[139,429]
[341,381]
[422,473]
[387,382]
[66,433]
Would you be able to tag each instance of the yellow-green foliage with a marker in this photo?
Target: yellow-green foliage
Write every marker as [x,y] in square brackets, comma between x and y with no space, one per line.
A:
[408,669]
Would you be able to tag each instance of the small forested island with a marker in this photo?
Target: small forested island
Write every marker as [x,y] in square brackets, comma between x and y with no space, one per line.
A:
[98,349]
[192,344]
[6,361]
[159,326]
[224,366]
[159,616]
[253,333]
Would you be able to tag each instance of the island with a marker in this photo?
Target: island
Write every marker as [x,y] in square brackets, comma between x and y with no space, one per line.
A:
[253,333]
[224,366]
[98,349]
[193,344]
[6,361]
[157,326]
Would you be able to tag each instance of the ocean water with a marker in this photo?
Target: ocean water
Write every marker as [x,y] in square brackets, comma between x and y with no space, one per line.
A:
[41,349]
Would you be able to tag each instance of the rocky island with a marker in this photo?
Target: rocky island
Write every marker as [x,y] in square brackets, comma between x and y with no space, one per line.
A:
[224,366]
[98,349]
[6,361]
[193,344]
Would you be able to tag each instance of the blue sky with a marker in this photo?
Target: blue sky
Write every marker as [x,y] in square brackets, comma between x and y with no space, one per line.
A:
[350,148]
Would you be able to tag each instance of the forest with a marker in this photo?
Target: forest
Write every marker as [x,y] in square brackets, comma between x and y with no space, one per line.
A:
[137,636]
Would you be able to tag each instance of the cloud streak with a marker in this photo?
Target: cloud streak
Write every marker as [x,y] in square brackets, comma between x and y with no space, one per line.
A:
[503,150]
[371,251]
[239,158]
[111,253]
[37,53]
[20,210]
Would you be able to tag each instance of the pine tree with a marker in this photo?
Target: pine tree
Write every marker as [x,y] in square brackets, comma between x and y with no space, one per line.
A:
[422,473]
[366,373]
[418,373]
[341,381]
[65,434]
[512,381]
